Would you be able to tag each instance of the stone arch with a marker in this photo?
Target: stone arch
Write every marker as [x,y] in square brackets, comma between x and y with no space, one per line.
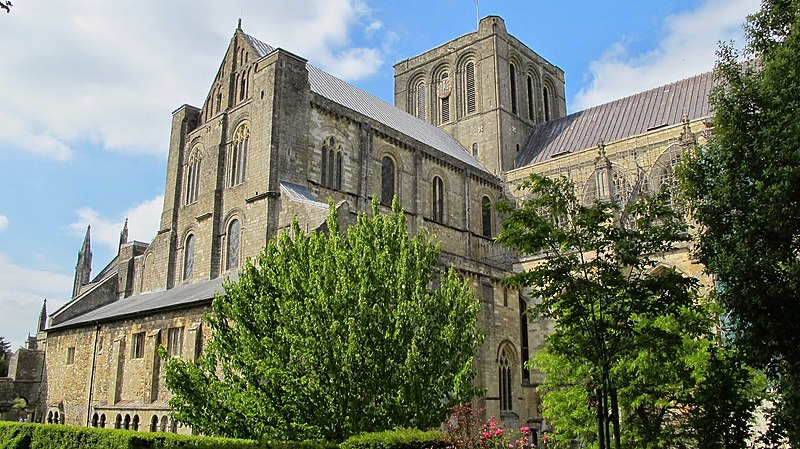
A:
[438,194]
[154,423]
[506,362]
[418,95]
[514,70]
[533,86]
[467,84]
[163,424]
[188,252]
[549,94]
[95,419]
[662,173]
[102,423]
[595,187]
[118,421]
[233,242]
[135,422]
[443,76]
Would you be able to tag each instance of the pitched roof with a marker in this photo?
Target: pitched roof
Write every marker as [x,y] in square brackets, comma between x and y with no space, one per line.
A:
[180,296]
[351,97]
[619,119]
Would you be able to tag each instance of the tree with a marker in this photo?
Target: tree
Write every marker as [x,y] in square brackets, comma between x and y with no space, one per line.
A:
[326,336]
[630,334]
[744,193]
[5,356]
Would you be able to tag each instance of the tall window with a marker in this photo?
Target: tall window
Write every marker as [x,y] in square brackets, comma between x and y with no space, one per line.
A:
[529,82]
[238,155]
[137,346]
[469,87]
[232,254]
[504,377]
[192,184]
[420,92]
[546,96]
[438,199]
[512,70]
[243,86]
[523,338]
[188,258]
[70,355]
[387,181]
[174,341]
[331,164]
[486,217]
[475,149]
[444,98]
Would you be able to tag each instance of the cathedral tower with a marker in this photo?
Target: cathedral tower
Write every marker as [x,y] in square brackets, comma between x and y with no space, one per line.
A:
[83,269]
[486,88]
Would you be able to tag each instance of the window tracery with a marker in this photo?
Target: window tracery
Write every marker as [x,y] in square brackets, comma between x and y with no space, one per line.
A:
[237,162]
[331,164]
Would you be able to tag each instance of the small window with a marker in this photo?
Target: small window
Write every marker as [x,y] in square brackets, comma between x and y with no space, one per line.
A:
[174,341]
[234,239]
[188,258]
[70,355]
[512,70]
[469,84]
[420,91]
[486,217]
[387,181]
[475,149]
[529,82]
[438,199]
[137,346]
[546,95]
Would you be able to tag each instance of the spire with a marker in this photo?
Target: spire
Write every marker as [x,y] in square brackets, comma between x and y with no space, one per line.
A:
[83,269]
[43,317]
[239,25]
[123,235]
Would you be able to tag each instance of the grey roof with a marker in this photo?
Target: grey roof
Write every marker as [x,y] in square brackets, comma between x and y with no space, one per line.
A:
[301,194]
[351,97]
[180,296]
[626,117]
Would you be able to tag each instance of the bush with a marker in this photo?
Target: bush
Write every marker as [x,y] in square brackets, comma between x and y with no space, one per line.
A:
[397,439]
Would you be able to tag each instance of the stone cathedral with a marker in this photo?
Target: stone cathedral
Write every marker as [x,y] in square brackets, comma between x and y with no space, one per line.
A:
[277,137]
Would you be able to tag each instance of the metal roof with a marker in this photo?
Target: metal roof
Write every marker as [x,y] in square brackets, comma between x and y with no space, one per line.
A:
[301,194]
[351,97]
[180,296]
[627,117]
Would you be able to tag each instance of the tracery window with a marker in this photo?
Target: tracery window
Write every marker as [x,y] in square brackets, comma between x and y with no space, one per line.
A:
[387,180]
[232,254]
[331,164]
[504,377]
[443,93]
[512,70]
[420,91]
[437,200]
[237,162]
[622,189]
[486,217]
[665,172]
[188,258]
[469,87]
[192,184]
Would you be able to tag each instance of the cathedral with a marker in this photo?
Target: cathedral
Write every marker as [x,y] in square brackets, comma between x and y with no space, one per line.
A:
[277,138]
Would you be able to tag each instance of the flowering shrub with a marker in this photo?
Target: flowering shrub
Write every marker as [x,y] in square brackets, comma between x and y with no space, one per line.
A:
[466,430]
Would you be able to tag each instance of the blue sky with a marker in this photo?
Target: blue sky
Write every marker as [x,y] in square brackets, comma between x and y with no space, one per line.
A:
[87,90]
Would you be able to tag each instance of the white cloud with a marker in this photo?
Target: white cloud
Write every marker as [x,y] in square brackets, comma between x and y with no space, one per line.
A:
[22,291]
[688,48]
[143,222]
[3,222]
[109,73]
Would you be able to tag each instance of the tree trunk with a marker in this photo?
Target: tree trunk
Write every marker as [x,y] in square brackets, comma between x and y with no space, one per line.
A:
[601,439]
[615,417]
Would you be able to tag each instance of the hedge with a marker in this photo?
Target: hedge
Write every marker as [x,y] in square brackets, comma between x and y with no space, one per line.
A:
[397,439]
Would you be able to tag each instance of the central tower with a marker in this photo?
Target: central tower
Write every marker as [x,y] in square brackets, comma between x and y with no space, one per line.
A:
[486,88]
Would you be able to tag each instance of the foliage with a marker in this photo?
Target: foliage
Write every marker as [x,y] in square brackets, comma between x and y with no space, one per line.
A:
[744,192]
[327,336]
[463,427]
[629,331]
[396,439]
[5,356]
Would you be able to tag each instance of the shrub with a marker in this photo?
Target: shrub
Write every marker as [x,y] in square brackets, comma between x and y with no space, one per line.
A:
[397,439]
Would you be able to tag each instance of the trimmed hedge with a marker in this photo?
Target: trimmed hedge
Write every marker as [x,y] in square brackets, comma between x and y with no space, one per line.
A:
[397,439]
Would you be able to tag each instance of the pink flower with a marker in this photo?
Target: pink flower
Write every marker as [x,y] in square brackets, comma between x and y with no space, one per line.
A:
[498,432]
[525,429]
[486,436]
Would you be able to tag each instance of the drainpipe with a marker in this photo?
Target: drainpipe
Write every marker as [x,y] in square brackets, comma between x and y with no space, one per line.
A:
[91,377]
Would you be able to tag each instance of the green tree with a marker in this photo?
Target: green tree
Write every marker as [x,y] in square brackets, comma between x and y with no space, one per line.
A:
[744,192]
[326,336]
[5,356]
[631,336]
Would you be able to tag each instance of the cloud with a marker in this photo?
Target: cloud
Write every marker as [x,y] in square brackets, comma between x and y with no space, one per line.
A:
[688,48]
[21,293]
[3,222]
[109,73]
[143,222]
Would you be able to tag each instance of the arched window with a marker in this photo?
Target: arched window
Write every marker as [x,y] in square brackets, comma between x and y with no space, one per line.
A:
[387,181]
[95,420]
[192,177]
[163,427]
[238,155]
[420,91]
[546,97]
[243,86]
[232,255]
[512,72]
[475,149]
[486,217]
[504,378]
[118,422]
[469,88]
[529,82]
[126,424]
[50,417]
[523,338]
[331,164]
[135,422]
[154,424]
[663,174]
[219,101]
[188,258]
[438,199]
[622,189]
[103,421]
[443,93]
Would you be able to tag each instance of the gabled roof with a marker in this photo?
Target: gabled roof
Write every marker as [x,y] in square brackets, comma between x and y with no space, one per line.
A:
[627,117]
[351,97]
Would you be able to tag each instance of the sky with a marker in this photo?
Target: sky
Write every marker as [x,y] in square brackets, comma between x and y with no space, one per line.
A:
[87,89]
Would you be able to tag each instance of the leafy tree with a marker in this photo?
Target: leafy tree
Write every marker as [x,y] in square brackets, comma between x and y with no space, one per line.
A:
[744,193]
[631,336]
[5,356]
[326,336]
